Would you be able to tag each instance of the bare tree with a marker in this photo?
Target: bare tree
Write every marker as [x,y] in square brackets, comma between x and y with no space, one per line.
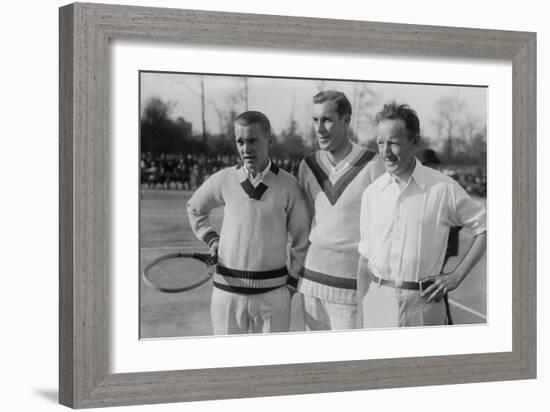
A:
[464,133]
[449,121]
[244,92]
[159,132]
[202,111]
[474,137]
[200,94]
[364,99]
[228,114]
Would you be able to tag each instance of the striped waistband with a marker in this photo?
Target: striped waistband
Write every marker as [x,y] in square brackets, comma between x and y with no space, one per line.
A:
[328,280]
[246,274]
[249,282]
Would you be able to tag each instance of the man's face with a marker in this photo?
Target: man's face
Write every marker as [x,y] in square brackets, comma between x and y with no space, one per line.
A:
[253,146]
[395,147]
[331,128]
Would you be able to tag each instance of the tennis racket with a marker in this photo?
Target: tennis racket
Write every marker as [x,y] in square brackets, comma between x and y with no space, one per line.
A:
[179,272]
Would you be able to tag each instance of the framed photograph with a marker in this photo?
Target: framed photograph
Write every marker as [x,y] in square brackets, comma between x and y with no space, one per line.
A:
[185,142]
[131,76]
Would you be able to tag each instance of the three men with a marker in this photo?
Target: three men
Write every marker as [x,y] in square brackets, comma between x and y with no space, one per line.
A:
[333,180]
[406,216]
[262,206]
[379,228]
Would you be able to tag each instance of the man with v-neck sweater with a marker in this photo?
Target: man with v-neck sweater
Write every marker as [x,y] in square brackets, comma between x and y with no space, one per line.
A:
[262,205]
[333,180]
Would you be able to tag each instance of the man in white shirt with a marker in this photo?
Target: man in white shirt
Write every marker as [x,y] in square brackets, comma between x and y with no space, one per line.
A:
[406,215]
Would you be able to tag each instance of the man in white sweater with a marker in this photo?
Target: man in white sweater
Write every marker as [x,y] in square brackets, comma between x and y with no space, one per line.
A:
[333,180]
[262,206]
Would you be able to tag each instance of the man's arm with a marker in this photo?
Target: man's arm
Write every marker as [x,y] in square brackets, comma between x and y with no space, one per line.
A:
[363,283]
[364,274]
[303,171]
[447,282]
[298,223]
[464,211]
[207,197]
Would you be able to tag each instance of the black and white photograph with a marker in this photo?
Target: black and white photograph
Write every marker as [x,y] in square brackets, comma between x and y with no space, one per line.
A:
[294,205]
[275,206]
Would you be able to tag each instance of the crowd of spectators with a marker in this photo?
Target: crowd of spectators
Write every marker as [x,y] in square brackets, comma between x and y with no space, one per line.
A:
[188,171]
[472,178]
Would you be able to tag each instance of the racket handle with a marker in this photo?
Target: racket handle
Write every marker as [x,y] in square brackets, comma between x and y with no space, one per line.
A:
[205,257]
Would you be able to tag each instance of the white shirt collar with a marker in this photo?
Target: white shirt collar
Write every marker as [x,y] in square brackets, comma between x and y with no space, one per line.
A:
[344,164]
[418,175]
[260,175]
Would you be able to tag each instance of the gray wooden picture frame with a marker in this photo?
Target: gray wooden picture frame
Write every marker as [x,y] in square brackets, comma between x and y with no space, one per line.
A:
[85,32]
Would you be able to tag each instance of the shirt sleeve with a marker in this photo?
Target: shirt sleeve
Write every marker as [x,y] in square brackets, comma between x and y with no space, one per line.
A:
[365,242]
[206,198]
[467,212]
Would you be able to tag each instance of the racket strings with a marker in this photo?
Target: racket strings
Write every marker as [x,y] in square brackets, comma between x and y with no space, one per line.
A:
[177,273]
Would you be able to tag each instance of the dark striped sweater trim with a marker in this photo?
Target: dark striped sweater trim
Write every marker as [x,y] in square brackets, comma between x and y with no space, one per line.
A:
[292,282]
[249,282]
[245,274]
[333,192]
[253,192]
[328,280]
[243,290]
[274,169]
[257,192]
[210,236]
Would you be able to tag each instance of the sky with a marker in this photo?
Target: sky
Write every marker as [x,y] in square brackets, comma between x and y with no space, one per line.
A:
[282,99]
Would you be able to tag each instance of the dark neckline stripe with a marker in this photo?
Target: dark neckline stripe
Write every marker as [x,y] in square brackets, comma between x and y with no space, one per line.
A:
[345,180]
[253,192]
[333,192]
[257,192]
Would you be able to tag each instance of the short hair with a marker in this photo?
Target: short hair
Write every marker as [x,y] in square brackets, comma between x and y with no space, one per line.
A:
[343,106]
[254,117]
[392,111]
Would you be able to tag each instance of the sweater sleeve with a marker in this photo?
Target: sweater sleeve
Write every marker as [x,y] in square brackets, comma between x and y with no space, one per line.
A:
[298,222]
[302,181]
[206,198]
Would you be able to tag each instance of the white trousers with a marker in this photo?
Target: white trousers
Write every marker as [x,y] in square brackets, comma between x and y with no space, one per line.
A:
[320,314]
[386,307]
[234,313]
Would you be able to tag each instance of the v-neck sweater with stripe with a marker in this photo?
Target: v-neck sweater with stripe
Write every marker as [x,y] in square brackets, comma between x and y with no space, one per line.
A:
[330,271]
[252,253]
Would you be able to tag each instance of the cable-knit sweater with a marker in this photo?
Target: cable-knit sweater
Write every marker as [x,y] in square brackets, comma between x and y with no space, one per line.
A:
[252,253]
[331,263]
